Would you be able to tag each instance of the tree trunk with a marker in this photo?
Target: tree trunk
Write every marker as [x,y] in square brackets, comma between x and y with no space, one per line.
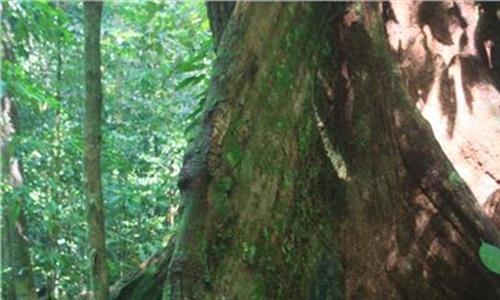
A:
[219,13]
[18,282]
[14,230]
[313,175]
[92,156]
[451,71]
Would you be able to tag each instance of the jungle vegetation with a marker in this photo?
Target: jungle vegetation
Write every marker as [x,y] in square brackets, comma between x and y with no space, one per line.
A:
[221,150]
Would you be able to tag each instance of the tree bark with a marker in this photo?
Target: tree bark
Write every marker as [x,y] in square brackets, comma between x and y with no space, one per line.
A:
[219,13]
[18,282]
[147,281]
[451,72]
[14,230]
[313,175]
[92,155]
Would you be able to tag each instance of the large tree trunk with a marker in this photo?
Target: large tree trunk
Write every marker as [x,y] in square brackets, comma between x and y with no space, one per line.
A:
[314,176]
[92,155]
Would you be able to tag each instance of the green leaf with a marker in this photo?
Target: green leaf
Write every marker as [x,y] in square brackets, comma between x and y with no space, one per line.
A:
[490,256]
[190,66]
[23,87]
[197,110]
[189,81]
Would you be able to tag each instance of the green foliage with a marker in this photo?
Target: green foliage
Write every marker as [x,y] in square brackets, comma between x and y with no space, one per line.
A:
[490,256]
[156,60]
[19,84]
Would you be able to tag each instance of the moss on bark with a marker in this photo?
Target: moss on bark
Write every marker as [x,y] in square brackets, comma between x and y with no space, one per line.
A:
[261,183]
[299,94]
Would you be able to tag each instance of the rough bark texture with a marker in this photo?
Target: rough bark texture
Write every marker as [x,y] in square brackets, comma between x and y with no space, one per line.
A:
[219,14]
[92,155]
[314,176]
[18,282]
[147,281]
[449,55]
[253,203]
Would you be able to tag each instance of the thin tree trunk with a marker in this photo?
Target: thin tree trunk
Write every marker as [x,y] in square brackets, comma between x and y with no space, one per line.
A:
[6,290]
[52,287]
[92,157]
[15,241]
[13,218]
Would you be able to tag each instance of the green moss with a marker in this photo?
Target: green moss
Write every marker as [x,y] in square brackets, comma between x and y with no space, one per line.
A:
[265,234]
[248,252]
[259,291]
[455,179]
[233,156]
[247,168]
[281,256]
[305,136]
[288,178]
[362,130]
[223,209]
[223,186]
